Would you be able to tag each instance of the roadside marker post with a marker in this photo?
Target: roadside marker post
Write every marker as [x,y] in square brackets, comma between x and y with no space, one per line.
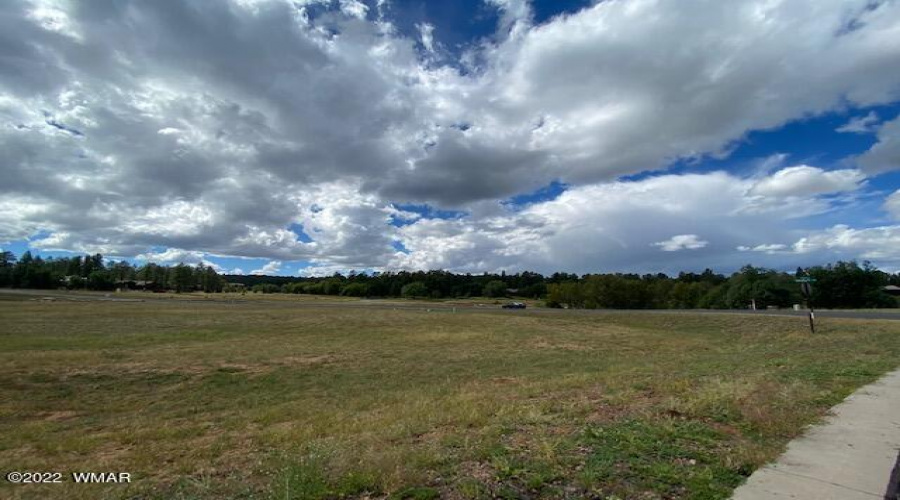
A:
[806,290]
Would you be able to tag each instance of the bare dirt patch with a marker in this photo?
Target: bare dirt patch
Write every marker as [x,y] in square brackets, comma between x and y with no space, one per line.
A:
[308,360]
[57,416]
[565,346]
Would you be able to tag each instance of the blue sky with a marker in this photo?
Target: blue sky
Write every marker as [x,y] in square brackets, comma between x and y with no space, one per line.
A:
[460,24]
[320,136]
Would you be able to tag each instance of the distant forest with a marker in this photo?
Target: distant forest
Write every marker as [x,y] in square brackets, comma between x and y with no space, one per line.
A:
[839,285]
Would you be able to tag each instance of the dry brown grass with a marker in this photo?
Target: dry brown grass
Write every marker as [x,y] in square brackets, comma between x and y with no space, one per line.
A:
[211,399]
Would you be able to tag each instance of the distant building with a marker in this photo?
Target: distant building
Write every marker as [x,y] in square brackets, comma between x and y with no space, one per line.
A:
[137,285]
[892,290]
[72,280]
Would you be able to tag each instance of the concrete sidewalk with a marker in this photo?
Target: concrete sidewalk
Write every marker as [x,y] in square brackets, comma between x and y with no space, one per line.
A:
[850,456]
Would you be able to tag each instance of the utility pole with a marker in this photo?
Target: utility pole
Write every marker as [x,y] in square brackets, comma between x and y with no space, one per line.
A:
[806,289]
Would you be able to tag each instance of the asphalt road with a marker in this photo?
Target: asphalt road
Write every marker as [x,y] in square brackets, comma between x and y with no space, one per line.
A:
[850,314]
[893,492]
[840,314]
[17,294]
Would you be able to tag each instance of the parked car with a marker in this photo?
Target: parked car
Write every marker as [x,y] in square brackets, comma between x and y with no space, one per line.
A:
[514,305]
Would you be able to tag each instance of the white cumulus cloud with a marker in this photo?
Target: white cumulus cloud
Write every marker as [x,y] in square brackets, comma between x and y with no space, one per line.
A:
[270,268]
[681,242]
[860,124]
[151,126]
[804,181]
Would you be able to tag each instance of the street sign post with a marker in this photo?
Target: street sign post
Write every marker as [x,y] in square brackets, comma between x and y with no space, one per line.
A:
[806,289]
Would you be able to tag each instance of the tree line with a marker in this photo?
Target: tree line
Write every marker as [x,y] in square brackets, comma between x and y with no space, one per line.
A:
[839,285]
[92,272]
[843,284]
[418,284]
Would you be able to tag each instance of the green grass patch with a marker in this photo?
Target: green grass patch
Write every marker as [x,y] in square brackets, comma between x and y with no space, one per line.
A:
[310,399]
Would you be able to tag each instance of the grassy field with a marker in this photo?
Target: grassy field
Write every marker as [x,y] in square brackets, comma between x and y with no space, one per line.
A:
[287,399]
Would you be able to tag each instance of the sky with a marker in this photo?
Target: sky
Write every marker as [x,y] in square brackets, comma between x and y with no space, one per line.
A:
[308,137]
